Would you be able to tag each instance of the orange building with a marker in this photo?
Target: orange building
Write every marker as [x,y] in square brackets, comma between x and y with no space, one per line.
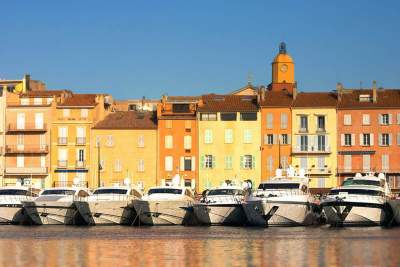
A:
[177,139]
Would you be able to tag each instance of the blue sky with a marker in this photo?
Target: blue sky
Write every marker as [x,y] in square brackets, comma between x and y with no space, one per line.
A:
[146,48]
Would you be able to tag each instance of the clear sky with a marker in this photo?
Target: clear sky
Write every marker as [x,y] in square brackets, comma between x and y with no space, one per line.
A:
[146,48]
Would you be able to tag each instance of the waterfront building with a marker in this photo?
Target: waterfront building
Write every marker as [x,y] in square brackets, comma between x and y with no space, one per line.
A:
[229,139]
[126,148]
[314,146]
[177,140]
[71,138]
[143,104]
[368,132]
[276,120]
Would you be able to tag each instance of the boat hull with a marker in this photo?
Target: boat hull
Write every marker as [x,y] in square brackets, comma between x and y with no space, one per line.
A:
[281,213]
[220,214]
[354,214]
[395,205]
[168,212]
[13,214]
[52,212]
[107,212]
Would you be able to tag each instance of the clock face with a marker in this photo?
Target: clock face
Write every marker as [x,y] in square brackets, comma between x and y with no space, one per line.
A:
[284,68]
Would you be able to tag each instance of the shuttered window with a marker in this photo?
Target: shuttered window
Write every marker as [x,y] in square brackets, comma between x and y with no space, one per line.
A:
[366,163]
[284,120]
[347,163]
[347,119]
[208,136]
[228,136]
[385,163]
[270,118]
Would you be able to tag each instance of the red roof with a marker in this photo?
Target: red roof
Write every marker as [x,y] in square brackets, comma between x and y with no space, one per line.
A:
[228,103]
[386,98]
[315,99]
[277,99]
[45,93]
[80,100]
[121,120]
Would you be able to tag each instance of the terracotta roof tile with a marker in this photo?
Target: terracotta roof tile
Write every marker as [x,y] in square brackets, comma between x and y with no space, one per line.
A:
[44,93]
[277,99]
[121,120]
[78,100]
[386,98]
[315,99]
[228,103]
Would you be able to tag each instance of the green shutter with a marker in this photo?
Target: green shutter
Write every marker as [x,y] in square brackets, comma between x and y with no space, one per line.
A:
[253,163]
[202,162]
[241,162]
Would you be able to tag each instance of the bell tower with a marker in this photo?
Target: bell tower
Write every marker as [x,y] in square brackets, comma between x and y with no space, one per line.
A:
[283,67]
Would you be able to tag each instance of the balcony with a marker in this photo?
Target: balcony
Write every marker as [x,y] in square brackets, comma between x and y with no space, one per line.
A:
[15,104]
[62,141]
[303,130]
[62,164]
[80,164]
[27,127]
[81,141]
[311,150]
[26,149]
[26,170]
[320,171]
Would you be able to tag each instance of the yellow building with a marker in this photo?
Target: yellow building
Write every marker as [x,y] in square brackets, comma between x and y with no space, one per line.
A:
[126,148]
[314,137]
[229,140]
[71,139]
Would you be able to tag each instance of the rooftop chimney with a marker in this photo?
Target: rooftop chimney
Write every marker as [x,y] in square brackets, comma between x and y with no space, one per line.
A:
[339,90]
[374,92]
[294,90]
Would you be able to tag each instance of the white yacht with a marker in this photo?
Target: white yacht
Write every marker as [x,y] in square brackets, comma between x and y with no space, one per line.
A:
[56,206]
[284,200]
[11,204]
[361,200]
[221,205]
[166,205]
[110,205]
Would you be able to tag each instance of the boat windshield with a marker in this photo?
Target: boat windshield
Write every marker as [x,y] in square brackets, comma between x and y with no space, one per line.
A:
[218,192]
[58,192]
[362,182]
[110,191]
[16,192]
[278,186]
[356,192]
[165,191]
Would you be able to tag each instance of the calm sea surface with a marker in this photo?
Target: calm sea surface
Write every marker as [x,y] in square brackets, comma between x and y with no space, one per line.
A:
[197,246]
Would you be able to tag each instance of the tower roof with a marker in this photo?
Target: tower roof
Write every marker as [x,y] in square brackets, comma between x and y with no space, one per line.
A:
[283,56]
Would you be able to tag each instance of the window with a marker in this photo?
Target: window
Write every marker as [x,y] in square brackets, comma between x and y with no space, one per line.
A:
[284,120]
[303,163]
[248,116]
[168,163]
[385,163]
[62,135]
[168,124]
[62,179]
[118,166]
[84,113]
[347,119]
[270,139]
[270,164]
[168,141]
[284,139]
[228,116]
[24,101]
[366,162]
[321,162]
[37,101]
[303,123]
[284,162]
[188,124]
[321,143]
[140,167]
[228,136]
[228,162]
[49,100]
[20,120]
[303,143]
[208,136]
[270,118]
[248,136]
[20,161]
[66,112]
[81,155]
[39,121]
[385,119]
[187,164]
[208,116]
[321,123]
[187,142]
[180,108]
[247,162]
[80,135]
[43,161]
[347,163]
[366,139]
[366,119]
[109,141]
[140,141]
[208,161]
[321,182]
[347,140]
[20,140]
[385,139]
[42,141]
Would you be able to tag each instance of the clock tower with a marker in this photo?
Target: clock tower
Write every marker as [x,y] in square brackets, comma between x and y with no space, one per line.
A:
[283,68]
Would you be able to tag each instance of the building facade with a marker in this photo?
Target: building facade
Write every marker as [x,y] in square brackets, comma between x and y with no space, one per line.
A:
[132,154]
[229,140]
[314,138]
[177,140]
[368,133]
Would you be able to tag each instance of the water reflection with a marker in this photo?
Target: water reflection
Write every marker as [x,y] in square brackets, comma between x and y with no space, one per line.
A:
[197,246]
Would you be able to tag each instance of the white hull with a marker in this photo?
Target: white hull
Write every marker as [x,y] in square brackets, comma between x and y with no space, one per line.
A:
[352,214]
[168,212]
[279,213]
[223,214]
[395,205]
[52,212]
[13,214]
[107,212]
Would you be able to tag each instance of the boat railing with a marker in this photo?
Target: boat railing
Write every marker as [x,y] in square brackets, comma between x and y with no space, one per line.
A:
[356,197]
[221,199]
[279,193]
[17,198]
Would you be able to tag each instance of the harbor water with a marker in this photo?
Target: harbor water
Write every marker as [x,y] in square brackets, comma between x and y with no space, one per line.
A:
[198,246]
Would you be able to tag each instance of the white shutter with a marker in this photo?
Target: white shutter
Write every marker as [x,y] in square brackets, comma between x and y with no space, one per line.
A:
[327,141]
[361,140]
[265,139]
[353,139]
[289,139]
[275,141]
[371,137]
[390,119]
[380,139]
[380,119]
[342,142]
[398,118]
[182,164]
[193,163]
[390,139]
[298,141]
